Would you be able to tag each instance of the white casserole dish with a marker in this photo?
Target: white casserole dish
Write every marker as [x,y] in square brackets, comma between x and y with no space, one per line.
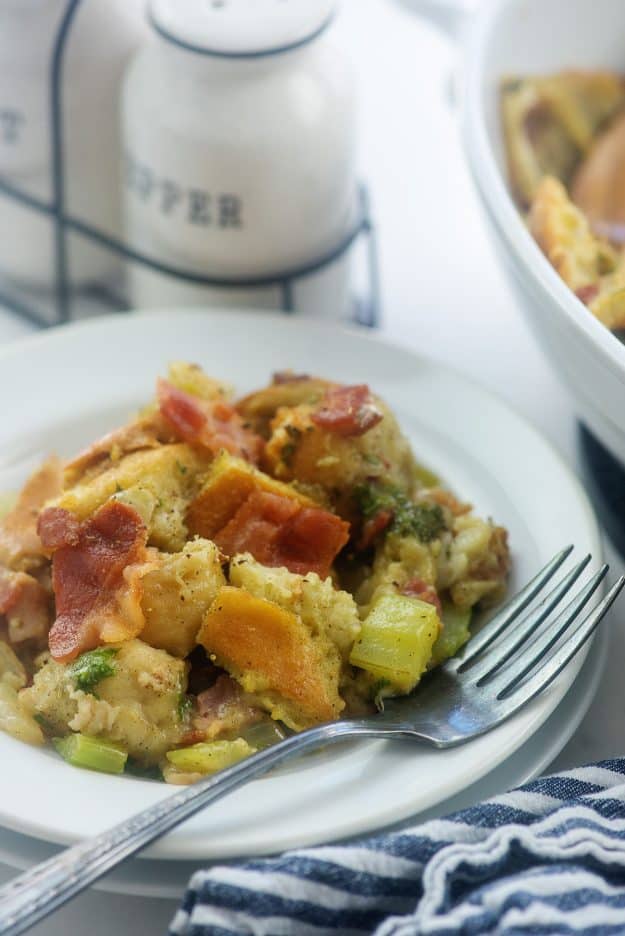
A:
[503,37]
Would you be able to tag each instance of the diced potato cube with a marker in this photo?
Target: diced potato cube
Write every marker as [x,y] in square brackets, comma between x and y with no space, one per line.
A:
[177,595]
[230,482]
[273,655]
[209,757]
[396,640]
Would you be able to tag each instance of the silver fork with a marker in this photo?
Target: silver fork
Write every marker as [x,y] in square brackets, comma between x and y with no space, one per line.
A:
[510,661]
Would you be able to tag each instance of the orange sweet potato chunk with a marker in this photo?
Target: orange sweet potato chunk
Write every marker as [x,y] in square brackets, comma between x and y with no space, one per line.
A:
[229,483]
[271,653]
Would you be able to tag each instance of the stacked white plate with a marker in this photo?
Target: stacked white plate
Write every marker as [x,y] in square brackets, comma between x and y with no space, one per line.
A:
[94,374]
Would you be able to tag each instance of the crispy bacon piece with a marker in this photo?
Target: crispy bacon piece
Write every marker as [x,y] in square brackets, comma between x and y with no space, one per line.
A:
[278,531]
[417,588]
[311,541]
[207,424]
[96,576]
[256,526]
[373,528]
[348,411]
[26,605]
[20,546]
[57,527]
[145,433]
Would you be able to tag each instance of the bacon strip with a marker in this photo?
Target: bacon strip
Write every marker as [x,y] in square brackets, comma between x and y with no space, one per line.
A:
[224,708]
[256,526]
[212,701]
[417,588]
[20,546]
[207,424]
[279,531]
[26,605]
[311,541]
[348,411]
[57,527]
[97,569]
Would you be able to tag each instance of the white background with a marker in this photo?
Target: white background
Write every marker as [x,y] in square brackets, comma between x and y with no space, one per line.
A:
[443,294]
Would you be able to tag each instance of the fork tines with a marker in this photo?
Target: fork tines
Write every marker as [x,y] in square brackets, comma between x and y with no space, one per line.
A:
[510,612]
[527,649]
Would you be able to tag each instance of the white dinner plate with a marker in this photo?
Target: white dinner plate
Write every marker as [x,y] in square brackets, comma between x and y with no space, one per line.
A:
[167,880]
[65,387]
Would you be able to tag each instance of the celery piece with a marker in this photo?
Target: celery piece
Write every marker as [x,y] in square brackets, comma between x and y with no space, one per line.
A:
[264,734]
[92,667]
[209,756]
[396,640]
[93,753]
[456,622]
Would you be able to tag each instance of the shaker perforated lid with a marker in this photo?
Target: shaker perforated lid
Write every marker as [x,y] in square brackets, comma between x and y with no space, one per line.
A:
[240,28]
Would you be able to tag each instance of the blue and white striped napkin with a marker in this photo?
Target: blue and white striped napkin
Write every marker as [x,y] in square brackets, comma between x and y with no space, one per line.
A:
[548,858]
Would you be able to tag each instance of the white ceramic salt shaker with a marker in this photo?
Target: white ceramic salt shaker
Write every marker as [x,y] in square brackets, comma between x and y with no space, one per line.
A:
[239,129]
[102,36]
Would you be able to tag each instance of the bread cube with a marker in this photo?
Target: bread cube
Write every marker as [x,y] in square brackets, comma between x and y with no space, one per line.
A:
[159,483]
[137,706]
[273,655]
[177,595]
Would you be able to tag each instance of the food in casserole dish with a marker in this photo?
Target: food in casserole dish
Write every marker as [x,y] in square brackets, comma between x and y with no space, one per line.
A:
[215,574]
[565,145]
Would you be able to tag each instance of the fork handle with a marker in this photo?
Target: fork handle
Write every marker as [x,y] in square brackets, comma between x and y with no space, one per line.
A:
[38,892]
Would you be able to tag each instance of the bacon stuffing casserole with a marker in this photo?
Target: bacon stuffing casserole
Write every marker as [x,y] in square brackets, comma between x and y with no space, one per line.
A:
[215,574]
[565,143]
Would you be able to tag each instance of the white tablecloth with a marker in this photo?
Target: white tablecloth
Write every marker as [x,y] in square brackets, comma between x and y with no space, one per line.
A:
[443,294]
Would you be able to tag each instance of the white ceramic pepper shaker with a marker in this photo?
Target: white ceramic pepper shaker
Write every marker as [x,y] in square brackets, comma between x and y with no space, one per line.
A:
[102,36]
[240,136]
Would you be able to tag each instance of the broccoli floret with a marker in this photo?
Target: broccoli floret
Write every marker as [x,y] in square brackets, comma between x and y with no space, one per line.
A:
[92,667]
[425,521]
